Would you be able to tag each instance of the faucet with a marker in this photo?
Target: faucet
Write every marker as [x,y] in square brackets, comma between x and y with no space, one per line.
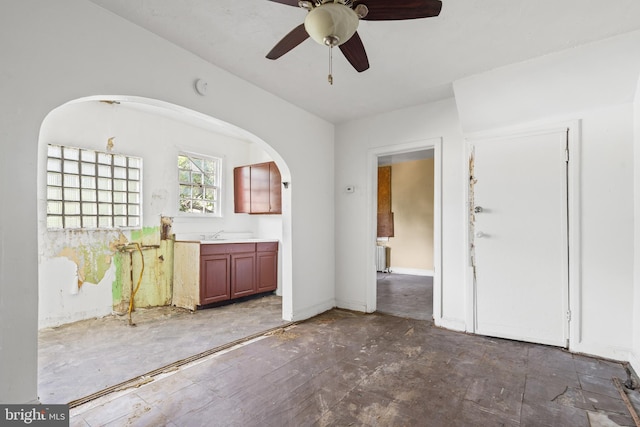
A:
[216,235]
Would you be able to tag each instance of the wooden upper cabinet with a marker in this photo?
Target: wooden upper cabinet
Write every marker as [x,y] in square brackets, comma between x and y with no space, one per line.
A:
[242,189]
[257,189]
[385,216]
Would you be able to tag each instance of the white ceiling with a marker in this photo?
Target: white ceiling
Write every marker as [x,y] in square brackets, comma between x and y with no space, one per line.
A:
[412,62]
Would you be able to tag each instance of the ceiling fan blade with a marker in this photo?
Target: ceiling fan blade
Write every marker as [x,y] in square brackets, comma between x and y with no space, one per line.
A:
[387,10]
[287,2]
[288,42]
[353,50]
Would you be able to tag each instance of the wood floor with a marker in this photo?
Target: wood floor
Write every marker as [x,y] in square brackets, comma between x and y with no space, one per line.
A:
[348,369]
[340,368]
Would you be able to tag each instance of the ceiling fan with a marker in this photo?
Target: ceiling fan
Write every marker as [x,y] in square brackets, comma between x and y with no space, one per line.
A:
[335,23]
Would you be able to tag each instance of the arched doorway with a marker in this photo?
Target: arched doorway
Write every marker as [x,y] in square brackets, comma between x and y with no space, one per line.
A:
[82,272]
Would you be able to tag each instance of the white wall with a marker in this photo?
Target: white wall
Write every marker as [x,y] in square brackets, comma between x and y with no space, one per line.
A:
[354,142]
[635,356]
[157,138]
[54,52]
[595,85]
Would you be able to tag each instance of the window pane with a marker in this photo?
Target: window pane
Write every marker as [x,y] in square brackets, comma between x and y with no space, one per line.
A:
[120,197]
[105,222]
[71,167]
[54,165]
[54,222]
[90,208]
[54,208]
[104,171]
[134,198]
[119,185]
[104,183]
[88,168]
[184,176]
[105,209]
[71,153]
[208,207]
[134,221]
[104,158]
[88,182]
[71,208]
[134,186]
[71,181]
[120,221]
[88,156]
[54,178]
[120,209]
[134,174]
[210,194]
[185,191]
[134,162]
[54,151]
[120,173]
[72,221]
[196,177]
[134,210]
[89,195]
[104,196]
[119,160]
[90,222]
[54,193]
[72,194]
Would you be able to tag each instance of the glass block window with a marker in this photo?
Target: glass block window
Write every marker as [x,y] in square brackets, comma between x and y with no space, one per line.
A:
[199,184]
[92,189]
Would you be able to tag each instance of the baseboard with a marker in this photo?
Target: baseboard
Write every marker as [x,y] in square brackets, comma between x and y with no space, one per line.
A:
[352,305]
[606,352]
[634,361]
[314,310]
[452,324]
[411,271]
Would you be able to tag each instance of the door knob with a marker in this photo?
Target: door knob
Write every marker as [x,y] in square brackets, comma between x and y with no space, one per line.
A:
[480,234]
[478,209]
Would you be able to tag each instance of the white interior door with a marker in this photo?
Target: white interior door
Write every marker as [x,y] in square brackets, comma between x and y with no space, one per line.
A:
[520,238]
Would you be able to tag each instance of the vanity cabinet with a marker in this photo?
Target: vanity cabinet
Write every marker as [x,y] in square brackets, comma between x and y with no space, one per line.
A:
[210,273]
[257,189]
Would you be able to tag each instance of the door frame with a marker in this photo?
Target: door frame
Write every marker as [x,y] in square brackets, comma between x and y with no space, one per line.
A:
[574,298]
[373,154]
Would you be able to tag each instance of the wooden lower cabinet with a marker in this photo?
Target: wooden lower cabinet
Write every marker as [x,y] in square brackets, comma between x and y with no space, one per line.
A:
[267,266]
[243,274]
[214,279]
[209,273]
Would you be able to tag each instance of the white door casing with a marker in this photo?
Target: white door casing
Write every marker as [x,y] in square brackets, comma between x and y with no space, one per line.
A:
[519,237]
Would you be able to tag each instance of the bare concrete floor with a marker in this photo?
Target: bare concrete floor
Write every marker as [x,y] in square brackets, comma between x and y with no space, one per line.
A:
[405,295]
[348,369]
[82,358]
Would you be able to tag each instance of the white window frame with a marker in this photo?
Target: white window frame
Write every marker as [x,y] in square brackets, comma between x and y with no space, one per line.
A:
[90,189]
[194,184]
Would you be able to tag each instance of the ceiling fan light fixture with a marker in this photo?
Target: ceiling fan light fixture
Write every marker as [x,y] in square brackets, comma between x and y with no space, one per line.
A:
[331,24]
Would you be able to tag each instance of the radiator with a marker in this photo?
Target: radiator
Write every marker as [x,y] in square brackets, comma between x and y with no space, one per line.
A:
[382,258]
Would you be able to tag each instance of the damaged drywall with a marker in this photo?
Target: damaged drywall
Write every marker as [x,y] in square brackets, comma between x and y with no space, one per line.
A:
[88,273]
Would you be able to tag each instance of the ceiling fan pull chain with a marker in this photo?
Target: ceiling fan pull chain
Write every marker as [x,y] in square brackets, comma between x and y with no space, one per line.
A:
[330,77]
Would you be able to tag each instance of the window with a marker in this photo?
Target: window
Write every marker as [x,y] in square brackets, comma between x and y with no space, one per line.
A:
[199,182]
[92,189]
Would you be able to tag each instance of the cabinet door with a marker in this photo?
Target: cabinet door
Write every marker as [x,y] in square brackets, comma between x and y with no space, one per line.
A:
[267,266]
[243,274]
[275,189]
[260,185]
[242,189]
[214,279]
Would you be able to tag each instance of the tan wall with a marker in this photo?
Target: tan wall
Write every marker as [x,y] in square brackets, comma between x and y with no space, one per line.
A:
[412,204]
